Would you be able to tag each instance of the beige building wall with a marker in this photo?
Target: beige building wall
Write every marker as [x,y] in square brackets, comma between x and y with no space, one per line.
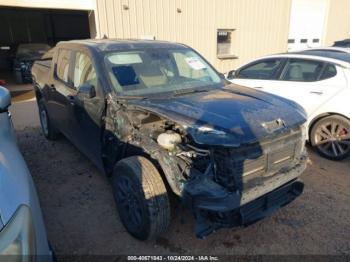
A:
[260,26]
[337,22]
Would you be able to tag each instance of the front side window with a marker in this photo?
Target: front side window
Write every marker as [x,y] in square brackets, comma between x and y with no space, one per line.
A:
[62,68]
[302,70]
[265,69]
[84,72]
[154,71]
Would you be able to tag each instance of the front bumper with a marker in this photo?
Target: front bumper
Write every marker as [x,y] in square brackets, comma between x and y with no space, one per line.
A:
[214,207]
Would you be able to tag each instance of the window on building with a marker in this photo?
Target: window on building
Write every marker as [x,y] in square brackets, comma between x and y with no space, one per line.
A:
[224,43]
[303,41]
[291,41]
[315,40]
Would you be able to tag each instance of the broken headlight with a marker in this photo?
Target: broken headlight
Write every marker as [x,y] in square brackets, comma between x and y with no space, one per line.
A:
[210,130]
[17,236]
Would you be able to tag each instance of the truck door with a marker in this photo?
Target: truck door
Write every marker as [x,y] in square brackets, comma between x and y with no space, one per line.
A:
[60,91]
[87,107]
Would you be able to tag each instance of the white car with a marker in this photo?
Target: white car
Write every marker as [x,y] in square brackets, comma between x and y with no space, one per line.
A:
[318,80]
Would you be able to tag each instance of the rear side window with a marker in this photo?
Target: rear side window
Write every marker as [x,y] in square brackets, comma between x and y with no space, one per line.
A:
[329,72]
[265,69]
[84,72]
[62,69]
[302,70]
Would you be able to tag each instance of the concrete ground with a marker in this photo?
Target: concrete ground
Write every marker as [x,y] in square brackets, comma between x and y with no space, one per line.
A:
[81,217]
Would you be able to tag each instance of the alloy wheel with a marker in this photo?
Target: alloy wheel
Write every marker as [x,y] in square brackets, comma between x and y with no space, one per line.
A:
[333,139]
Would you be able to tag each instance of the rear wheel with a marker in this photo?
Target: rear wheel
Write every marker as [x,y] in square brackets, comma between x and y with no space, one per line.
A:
[141,197]
[18,77]
[331,137]
[47,127]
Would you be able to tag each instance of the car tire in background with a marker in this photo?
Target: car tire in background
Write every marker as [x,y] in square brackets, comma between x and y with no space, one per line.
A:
[18,77]
[141,197]
[47,127]
[330,136]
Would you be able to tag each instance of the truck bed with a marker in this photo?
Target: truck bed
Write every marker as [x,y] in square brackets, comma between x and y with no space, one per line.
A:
[40,72]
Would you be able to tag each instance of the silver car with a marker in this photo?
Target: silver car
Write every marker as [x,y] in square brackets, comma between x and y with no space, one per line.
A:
[22,230]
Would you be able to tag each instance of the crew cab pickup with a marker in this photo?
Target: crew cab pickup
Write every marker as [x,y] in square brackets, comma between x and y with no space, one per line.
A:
[160,120]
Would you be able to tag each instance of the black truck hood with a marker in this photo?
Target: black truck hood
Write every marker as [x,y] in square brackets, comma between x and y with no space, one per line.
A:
[229,116]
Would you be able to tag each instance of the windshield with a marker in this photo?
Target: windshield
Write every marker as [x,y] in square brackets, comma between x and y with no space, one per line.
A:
[32,50]
[49,54]
[154,71]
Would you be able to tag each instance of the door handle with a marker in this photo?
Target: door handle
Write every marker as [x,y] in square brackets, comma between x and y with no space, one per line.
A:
[259,87]
[316,92]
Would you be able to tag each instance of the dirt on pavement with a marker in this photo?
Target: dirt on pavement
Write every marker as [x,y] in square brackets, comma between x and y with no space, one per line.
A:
[81,217]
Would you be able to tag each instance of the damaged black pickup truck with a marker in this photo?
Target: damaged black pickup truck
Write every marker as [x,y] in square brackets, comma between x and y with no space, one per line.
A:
[160,120]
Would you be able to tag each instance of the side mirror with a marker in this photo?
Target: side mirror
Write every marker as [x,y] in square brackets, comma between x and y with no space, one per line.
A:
[222,76]
[86,91]
[231,74]
[5,99]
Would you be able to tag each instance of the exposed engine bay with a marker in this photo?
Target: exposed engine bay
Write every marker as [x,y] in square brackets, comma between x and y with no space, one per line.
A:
[212,180]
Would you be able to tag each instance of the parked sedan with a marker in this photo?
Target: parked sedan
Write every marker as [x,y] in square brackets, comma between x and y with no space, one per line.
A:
[316,79]
[22,230]
[341,53]
[342,43]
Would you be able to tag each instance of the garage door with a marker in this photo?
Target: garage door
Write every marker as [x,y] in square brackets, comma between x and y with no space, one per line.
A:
[307,23]
[32,25]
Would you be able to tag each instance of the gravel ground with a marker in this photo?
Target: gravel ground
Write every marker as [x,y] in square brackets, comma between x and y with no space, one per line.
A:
[81,217]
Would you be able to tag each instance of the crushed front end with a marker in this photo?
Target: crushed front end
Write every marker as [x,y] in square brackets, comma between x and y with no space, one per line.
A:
[231,168]
[244,184]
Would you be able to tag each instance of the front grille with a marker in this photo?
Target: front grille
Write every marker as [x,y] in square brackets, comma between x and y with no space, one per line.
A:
[247,166]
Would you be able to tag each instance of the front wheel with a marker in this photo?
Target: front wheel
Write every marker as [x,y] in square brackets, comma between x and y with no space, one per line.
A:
[141,197]
[331,137]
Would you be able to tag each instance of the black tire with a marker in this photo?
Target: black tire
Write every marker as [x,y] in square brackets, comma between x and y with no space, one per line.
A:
[47,127]
[141,197]
[330,136]
[18,77]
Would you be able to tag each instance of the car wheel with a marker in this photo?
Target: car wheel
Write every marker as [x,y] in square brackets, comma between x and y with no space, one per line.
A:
[331,137]
[141,197]
[48,129]
[18,77]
